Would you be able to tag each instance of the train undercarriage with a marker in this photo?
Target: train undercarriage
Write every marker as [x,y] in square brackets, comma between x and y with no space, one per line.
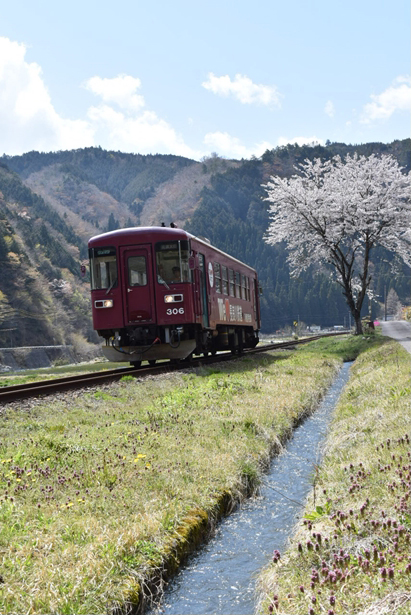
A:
[177,342]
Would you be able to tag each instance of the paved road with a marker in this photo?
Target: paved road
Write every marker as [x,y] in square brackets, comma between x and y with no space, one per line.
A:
[400,330]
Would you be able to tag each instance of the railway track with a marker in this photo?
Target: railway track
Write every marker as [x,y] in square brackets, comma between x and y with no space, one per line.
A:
[48,387]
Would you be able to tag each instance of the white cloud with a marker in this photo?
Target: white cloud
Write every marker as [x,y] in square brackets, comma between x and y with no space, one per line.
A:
[128,128]
[28,119]
[120,90]
[243,89]
[395,98]
[329,108]
[144,133]
[231,147]
[300,141]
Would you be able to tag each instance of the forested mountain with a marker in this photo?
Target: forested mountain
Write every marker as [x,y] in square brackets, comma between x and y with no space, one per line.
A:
[233,215]
[98,190]
[42,297]
[51,203]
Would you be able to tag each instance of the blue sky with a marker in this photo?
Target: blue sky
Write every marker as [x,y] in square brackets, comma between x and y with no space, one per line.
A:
[190,78]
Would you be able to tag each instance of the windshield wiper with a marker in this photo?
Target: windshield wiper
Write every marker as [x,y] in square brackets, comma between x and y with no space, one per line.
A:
[161,281]
[111,286]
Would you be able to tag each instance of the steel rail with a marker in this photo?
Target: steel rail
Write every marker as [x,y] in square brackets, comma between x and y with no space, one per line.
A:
[47,387]
[31,389]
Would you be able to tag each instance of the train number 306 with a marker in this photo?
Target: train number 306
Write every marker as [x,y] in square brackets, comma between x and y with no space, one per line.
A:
[175,311]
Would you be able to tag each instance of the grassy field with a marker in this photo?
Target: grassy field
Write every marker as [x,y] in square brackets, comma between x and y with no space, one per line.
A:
[100,490]
[351,551]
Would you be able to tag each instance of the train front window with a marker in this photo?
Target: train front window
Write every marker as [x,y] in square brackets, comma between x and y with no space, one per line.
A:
[103,267]
[172,262]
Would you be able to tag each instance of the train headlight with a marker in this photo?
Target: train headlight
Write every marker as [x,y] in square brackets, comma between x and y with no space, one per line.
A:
[104,303]
[173,298]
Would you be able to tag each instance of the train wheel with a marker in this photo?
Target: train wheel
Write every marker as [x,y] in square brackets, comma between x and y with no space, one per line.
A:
[152,362]
[237,350]
[135,363]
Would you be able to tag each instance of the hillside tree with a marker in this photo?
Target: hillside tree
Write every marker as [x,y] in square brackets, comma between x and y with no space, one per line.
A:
[113,224]
[333,213]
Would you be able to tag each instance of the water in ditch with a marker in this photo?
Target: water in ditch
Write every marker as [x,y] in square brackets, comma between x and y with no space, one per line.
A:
[220,579]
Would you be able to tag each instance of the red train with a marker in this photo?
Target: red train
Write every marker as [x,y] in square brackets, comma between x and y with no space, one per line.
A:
[161,293]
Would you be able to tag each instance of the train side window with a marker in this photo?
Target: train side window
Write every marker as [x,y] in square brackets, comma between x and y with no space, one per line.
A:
[238,284]
[247,281]
[137,271]
[225,280]
[243,287]
[232,282]
[217,276]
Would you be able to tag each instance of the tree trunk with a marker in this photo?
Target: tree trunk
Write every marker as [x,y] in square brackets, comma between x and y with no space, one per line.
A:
[358,324]
[354,306]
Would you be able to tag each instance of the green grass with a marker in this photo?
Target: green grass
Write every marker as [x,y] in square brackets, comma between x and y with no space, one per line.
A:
[347,348]
[96,489]
[352,548]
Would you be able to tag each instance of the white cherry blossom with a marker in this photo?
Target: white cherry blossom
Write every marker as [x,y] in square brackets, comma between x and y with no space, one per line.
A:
[335,212]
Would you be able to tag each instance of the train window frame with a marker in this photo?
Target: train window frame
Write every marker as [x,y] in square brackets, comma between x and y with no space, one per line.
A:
[131,271]
[231,282]
[103,268]
[217,278]
[224,277]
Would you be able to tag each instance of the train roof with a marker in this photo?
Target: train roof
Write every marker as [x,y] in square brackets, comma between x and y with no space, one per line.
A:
[160,231]
[157,233]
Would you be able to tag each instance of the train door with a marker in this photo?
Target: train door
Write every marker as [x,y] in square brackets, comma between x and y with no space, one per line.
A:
[139,305]
[203,290]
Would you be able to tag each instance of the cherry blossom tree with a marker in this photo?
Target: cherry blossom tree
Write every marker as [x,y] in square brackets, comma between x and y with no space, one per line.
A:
[333,213]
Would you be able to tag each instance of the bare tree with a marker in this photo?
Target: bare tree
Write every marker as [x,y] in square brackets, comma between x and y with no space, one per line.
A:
[334,213]
[393,303]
